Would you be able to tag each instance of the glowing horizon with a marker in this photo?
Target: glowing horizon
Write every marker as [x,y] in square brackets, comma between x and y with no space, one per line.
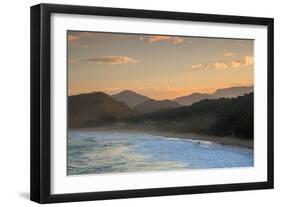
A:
[160,67]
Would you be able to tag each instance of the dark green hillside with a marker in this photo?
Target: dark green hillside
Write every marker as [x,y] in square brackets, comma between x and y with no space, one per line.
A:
[221,117]
[154,105]
[96,109]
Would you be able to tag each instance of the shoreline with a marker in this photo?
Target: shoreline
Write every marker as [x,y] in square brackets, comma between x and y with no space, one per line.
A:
[226,140]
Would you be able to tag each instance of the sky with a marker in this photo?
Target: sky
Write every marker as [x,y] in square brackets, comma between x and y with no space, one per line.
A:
[157,66]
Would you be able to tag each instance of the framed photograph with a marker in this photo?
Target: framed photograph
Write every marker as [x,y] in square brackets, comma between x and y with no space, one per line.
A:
[133,103]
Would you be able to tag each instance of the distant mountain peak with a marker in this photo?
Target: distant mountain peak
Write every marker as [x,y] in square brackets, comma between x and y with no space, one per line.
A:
[192,98]
[199,94]
[234,88]
[230,92]
[127,92]
[96,93]
[130,98]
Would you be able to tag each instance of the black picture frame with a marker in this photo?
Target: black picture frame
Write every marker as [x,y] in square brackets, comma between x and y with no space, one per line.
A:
[41,98]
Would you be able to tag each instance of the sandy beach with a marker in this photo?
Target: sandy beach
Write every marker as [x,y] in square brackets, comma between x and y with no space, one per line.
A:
[220,140]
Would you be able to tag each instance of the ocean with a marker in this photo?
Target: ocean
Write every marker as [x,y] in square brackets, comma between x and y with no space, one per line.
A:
[90,152]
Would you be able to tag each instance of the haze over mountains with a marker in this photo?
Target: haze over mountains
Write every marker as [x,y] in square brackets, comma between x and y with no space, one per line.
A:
[221,117]
[143,104]
[154,105]
[231,92]
[193,98]
[130,98]
[98,107]
[133,99]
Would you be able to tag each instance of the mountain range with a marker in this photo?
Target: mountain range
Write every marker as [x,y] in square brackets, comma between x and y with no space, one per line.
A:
[97,108]
[193,98]
[231,92]
[145,104]
[221,116]
[130,98]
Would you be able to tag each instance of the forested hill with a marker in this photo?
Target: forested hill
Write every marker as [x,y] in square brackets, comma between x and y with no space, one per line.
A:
[96,109]
[220,117]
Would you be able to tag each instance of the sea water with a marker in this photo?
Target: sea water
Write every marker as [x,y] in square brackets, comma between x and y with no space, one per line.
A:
[90,152]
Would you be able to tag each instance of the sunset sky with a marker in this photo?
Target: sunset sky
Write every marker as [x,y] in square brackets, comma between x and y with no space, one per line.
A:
[161,67]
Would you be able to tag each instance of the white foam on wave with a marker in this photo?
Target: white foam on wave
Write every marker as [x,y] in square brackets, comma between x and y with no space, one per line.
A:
[172,138]
[198,141]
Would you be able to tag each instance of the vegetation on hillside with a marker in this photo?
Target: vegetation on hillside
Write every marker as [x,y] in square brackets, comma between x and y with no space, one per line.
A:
[96,109]
[219,117]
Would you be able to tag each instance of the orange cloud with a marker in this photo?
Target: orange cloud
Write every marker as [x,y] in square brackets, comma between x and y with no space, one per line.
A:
[72,38]
[113,60]
[77,35]
[220,65]
[197,66]
[227,54]
[249,60]
[246,61]
[170,39]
